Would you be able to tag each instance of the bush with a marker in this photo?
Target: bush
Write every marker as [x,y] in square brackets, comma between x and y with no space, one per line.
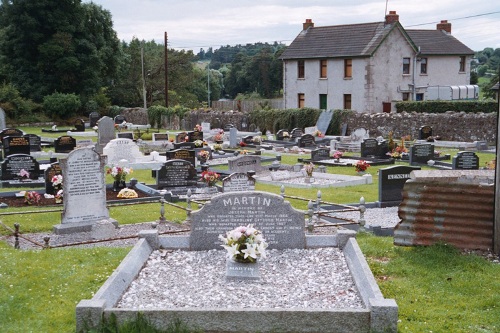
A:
[14,105]
[61,105]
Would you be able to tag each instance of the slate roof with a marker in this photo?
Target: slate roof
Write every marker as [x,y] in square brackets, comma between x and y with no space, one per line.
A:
[362,40]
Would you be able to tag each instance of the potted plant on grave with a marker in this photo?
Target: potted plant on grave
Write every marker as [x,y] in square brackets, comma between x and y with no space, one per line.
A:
[361,166]
[337,155]
[219,137]
[32,198]
[203,156]
[198,143]
[119,175]
[209,177]
[244,244]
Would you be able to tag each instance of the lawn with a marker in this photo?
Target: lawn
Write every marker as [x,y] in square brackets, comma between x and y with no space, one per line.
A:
[437,288]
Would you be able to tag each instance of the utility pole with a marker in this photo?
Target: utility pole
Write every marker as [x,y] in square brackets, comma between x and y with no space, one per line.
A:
[143,79]
[208,84]
[166,71]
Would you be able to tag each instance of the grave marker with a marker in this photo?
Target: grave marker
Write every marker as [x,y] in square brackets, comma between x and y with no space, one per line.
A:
[421,153]
[119,119]
[296,133]
[182,154]
[282,134]
[233,137]
[122,149]
[51,171]
[35,142]
[369,147]
[320,154]
[465,160]
[13,164]
[176,173]
[84,198]
[105,132]
[125,135]
[93,119]
[195,135]
[282,226]
[238,182]
[306,140]
[16,145]
[2,119]
[184,145]
[245,163]
[10,132]
[181,137]
[248,139]
[324,120]
[424,132]
[391,182]
[64,144]
[80,125]
[160,137]
[206,127]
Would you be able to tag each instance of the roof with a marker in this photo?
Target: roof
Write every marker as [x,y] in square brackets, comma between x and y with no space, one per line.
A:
[362,40]
[438,42]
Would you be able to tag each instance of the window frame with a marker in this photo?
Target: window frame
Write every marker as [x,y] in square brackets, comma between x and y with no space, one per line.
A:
[406,65]
[323,69]
[462,62]
[347,102]
[423,65]
[323,99]
[301,100]
[301,69]
[348,68]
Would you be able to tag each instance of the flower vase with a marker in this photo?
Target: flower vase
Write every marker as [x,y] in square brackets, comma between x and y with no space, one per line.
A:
[361,173]
[59,200]
[118,185]
[336,160]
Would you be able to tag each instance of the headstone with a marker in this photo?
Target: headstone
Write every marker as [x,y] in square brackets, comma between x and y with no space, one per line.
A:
[244,163]
[282,134]
[125,135]
[324,119]
[53,170]
[64,144]
[383,149]
[369,147]
[181,137]
[2,119]
[105,132]
[16,145]
[421,153]
[248,139]
[93,119]
[13,164]
[80,125]
[359,135]
[296,133]
[160,137]
[465,160]
[391,182]
[306,140]
[320,154]
[281,225]
[206,127]
[10,132]
[176,173]
[310,130]
[84,143]
[228,127]
[84,198]
[119,119]
[233,137]
[195,135]
[424,132]
[238,182]
[184,145]
[122,149]
[182,154]
[35,142]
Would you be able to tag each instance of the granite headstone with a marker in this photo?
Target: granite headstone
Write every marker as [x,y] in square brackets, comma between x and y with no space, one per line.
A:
[245,163]
[13,164]
[391,182]
[465,160]
[64,144]
[238,182]
[53,170]
[182,154]
[174,173]
[16,145]
[421,153]
[122,149]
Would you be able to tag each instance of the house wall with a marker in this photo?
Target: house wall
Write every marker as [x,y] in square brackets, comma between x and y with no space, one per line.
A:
[443,71]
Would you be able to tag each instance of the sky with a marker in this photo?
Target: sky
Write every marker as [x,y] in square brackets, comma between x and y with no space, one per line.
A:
[200,24]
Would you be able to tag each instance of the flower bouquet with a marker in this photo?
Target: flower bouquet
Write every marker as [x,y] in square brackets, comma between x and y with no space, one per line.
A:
[198,128]
[32,198]
[198,143]
[361,166]
[23,174]
[309,168]
[59,196]
[57,182]
[318,133]
[209,177]
[119,173]
[244,244]
[337,155]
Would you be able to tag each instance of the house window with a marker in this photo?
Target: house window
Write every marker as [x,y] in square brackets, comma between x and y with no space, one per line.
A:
[301,100]
[462,64]
[423,65]
[323,65]
[300,69]
[347,68]
[347,101]
[322,101]
[419,97]
[406,96]
[406,65]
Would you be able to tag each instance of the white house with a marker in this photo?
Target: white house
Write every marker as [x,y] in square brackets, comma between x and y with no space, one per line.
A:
[367,67]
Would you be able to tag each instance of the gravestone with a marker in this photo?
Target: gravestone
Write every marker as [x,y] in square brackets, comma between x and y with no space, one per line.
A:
[198,150]
[84,143]
[206,127]
[228,127]
[324,120]
[84,198]
[424,132]
[233,137]
[320,154]
[238,182]
[122,149]
[296,133]
[125,135]
[310,130]
[282,134]
[391,182]
[2,119]
[195,135]
[160,137]
[64,144]
[181,137]
[182,154]
[306,140]
[248,139]
[16,145]
[465,160]
[10,132]
[80,125]
[53,170]
[281,225]
[174,173]
[359,134]
[93,119]
[35,142]
[245,163]
[119,119]
[105,132]
[13,164]
[421,153]
[369,147]
[184,145]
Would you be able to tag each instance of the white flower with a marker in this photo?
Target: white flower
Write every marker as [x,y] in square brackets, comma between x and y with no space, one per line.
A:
[250,251]
[232,250]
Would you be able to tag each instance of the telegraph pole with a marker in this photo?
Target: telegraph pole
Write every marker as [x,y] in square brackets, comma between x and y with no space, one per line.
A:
[166,71]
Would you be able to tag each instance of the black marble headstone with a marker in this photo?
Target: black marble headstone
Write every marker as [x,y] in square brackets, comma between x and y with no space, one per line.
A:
[369,147]
[306,140]
[51,171]
[125,135]
[64,144]
[296,133]
[195,135]
[35,142]
[424,132]
[181,137]
[176,173]
[119,119]
[182,154]
[320,154]
[16,145]
[248,139]
[160,136]
[13,164]
[280,135]
[10,132]
[465,160]
[421,153]
[80,125]
[93,119]
[391,181]
[184,145]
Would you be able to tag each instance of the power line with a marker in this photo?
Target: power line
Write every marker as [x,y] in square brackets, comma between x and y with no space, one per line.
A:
[454,19]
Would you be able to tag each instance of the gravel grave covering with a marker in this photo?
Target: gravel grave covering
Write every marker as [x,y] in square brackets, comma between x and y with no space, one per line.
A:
[290,279]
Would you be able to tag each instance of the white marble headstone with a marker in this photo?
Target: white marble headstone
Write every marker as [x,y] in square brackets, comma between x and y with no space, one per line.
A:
[122,149]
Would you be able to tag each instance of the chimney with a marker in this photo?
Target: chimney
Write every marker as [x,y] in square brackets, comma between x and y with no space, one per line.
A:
[308,23]
[444,25]
[392,17]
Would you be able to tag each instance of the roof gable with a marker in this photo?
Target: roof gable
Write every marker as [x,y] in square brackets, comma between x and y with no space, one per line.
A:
[438,42]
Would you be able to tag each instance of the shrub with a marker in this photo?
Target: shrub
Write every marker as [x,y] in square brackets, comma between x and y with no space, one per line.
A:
[61,105]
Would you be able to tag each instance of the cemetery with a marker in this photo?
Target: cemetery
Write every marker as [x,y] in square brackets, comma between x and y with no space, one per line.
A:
[304,192]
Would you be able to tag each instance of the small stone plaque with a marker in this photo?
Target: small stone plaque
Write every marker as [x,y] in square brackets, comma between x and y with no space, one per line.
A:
[245,163]
[160,137]
[465,160]
[238,182]
[125,135]
[242,271]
